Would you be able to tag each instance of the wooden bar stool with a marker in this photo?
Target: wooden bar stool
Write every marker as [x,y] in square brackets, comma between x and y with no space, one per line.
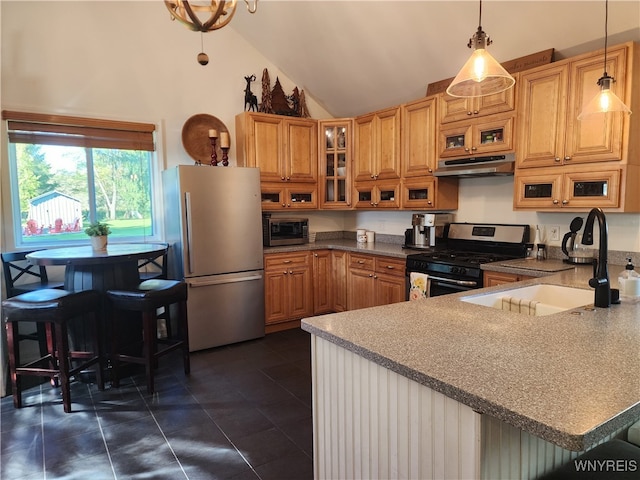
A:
[53,308]
[147,299]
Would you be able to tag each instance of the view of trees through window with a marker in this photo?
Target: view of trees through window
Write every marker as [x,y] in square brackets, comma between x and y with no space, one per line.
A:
[62,189]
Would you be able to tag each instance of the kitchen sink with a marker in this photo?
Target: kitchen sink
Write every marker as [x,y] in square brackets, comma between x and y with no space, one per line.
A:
[539,300]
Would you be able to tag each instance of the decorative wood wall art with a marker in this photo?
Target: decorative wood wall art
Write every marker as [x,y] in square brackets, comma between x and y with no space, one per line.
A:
[195,136]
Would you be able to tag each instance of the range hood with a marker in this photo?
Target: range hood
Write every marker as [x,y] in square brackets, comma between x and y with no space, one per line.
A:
[476,166]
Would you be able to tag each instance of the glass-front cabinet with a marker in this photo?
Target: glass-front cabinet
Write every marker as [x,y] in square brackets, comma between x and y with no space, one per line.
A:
[298,196]
[335,163]
[374,195]
[551,188]
[494,135]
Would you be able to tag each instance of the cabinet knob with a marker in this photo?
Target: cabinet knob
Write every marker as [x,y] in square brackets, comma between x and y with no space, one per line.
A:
[282,178]
[315,254]
[390,267]
[360,262]
[375,176]
[288,178]
[469,113]
[466,149]
[284,204]
[375,276]
[288,204]
[568,157]
[375,204]
[429,202]
[372,176]
[370,275]
[475,112]
[555,201]
[285,272]
[474,148]
[556,159]
[286,261]
[565,202]
[430,170]
[290,272]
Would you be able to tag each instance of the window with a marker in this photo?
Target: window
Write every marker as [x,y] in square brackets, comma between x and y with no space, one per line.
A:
[67,172]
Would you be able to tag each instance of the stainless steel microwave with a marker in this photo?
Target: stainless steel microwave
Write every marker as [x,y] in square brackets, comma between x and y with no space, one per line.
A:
[284,231]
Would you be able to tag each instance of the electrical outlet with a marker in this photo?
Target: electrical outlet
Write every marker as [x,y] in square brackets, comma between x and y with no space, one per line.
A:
[554,233]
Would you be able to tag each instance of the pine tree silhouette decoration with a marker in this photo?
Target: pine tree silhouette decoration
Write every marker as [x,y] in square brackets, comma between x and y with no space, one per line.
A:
[279,102]
[302,106]
[265,106]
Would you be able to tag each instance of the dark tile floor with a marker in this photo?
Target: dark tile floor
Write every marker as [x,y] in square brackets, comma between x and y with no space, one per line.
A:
[244,413]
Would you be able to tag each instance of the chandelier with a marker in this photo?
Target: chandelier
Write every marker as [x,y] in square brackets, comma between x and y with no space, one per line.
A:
[205,16]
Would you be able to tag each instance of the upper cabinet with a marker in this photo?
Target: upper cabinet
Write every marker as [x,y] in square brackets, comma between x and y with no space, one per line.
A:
[563,162]
[335,161]
[377,146]
[285,148]
[419,137]
[286,151]
[454,109]
[550,101]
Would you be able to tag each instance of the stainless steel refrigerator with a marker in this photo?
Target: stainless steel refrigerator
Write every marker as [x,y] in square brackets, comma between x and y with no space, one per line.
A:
[213,222]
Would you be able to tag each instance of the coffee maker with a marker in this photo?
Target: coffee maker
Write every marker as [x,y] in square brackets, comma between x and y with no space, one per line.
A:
[422,234]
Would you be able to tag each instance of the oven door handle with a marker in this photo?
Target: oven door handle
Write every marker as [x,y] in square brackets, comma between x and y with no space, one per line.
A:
[462,283]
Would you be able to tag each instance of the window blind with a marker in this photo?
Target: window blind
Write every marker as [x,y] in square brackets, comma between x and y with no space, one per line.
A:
[46,129]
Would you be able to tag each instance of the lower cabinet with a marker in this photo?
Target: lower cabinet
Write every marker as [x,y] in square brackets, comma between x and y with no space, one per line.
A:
[339,261]
[491,279]
[322,284]
[288,289]
[374,280]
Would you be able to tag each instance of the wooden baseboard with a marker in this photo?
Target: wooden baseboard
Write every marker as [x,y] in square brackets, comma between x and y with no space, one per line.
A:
[278,327]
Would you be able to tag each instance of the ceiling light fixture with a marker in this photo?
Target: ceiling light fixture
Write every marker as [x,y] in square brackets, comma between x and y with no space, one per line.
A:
[192,15]
[482,74]
[605,100]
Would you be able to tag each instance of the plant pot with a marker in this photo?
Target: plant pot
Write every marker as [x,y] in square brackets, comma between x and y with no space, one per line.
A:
[99,243]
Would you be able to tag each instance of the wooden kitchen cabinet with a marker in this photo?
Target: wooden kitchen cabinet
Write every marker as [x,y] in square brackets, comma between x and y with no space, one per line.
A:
[335,161]
[570,187]
[483,136]
[339,261]
[491,279]
[419,137]
[322,282]
[550,99]
[430,193]
[377,195]
[454,109]
[377,146]
[299,196]
[284,148]
[288,289]
[374,280]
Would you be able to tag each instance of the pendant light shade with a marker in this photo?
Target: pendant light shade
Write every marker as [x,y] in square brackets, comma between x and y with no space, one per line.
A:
[605,100]
[481,75]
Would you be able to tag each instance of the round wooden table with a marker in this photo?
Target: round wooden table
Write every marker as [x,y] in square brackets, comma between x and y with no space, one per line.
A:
[86,269]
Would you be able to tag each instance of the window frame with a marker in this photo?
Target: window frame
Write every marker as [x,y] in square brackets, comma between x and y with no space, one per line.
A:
[13,235]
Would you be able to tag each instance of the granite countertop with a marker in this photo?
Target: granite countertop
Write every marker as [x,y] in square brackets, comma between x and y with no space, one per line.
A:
[374,248]
[530,267]
[570,378]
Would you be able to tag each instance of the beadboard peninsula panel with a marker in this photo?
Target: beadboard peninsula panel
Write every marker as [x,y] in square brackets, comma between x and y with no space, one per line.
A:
[372,423]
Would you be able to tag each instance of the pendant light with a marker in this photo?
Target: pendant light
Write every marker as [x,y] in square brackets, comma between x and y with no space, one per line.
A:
[605,100]
[482,74]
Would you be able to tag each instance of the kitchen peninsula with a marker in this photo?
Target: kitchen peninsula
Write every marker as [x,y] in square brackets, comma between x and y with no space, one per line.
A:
[442,388]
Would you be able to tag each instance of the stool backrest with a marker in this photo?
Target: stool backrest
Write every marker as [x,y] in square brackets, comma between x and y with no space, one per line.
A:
[19,274]
[156,267]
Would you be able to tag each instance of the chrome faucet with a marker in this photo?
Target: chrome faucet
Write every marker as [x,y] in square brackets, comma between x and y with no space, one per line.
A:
[600,281]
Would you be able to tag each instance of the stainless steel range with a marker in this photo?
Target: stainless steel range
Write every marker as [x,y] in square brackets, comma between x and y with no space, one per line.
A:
[454,266]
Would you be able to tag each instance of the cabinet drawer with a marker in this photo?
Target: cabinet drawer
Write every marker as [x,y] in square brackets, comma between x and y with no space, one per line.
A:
[279,260]
[364,262]
[390,266]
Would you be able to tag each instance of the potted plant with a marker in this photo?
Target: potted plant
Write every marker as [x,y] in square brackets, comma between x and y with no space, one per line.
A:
[98,232]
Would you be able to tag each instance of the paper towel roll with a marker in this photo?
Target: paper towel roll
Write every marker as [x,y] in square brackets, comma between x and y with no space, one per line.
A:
[371,236]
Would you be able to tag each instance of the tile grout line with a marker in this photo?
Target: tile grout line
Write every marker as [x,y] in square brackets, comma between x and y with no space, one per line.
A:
[104,440]
[159,428]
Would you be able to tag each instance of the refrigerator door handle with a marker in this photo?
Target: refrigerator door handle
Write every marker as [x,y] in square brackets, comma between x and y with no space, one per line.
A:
[187,206]
[221,281]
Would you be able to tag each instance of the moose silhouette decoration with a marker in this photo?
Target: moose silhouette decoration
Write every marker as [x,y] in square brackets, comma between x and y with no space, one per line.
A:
[249,98]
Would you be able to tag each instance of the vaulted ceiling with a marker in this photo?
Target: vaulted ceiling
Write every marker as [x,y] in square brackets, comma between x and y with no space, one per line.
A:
[357,56]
